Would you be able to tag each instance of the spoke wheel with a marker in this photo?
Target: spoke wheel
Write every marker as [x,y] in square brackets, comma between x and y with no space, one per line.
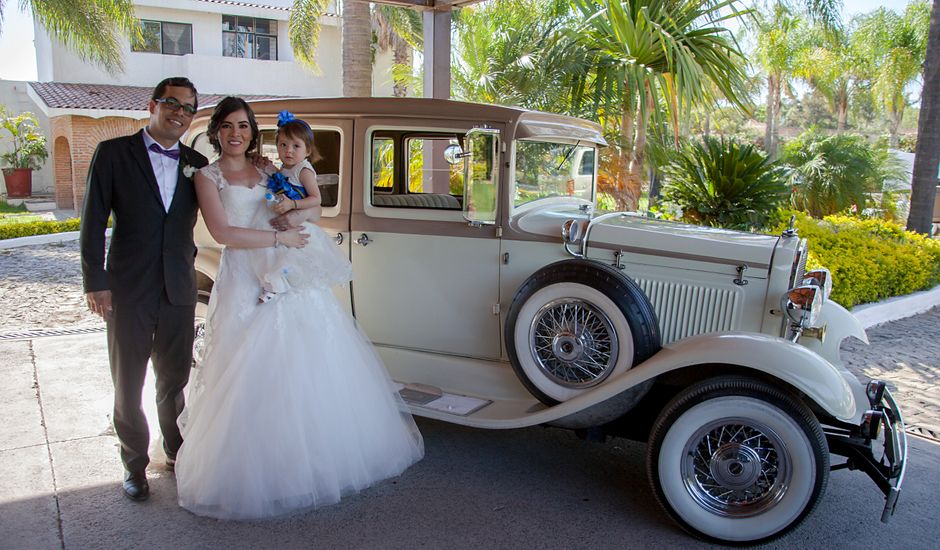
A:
[199,339]
[737,460]
[574,325]
[574,343]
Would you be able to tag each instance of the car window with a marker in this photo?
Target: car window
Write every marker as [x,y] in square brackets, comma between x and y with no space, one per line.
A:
[409,171]
[545,169]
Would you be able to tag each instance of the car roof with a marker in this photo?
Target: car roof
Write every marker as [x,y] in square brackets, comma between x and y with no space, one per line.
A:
[531,124]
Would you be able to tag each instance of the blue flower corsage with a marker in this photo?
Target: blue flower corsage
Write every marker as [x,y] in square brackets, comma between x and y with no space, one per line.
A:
[279,185]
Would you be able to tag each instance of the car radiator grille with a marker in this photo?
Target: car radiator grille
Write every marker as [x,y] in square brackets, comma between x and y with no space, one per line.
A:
[685,310]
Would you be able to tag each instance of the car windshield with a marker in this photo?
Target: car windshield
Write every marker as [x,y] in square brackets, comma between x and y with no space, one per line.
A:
[545,169]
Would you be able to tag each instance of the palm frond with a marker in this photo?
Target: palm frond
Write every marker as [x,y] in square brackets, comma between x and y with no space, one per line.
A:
[303,30]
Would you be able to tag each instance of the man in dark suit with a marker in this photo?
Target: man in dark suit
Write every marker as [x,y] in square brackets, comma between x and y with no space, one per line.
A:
[147,290]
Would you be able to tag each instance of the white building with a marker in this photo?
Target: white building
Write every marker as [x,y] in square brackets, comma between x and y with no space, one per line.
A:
[226,47]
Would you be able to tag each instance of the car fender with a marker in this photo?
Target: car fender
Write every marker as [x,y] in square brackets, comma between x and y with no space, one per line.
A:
[792,363]
[838,324]
[207,261]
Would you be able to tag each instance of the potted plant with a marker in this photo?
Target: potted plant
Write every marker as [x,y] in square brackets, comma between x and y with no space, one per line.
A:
[28,153]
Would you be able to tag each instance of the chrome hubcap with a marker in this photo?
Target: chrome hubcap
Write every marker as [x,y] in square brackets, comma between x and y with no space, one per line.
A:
[199,341]
[736,469]
[573,343]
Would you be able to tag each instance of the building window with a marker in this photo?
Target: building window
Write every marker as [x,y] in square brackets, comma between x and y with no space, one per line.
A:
[165,38]
[250,37]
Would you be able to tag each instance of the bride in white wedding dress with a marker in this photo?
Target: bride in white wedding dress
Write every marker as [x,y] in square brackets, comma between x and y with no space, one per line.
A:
[291,407]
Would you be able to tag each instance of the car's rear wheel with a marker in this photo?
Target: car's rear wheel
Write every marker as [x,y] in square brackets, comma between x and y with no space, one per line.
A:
[199,340]
[574,324]
[737,460]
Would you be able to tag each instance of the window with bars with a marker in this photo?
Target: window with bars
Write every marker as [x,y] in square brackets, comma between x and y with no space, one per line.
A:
[250,37]
[165,38]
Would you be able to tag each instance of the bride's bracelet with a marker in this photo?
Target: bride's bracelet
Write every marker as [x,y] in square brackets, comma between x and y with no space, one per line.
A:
[277,242]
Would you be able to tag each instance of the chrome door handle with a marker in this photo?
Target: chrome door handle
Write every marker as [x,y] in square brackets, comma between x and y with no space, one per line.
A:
[364,240]
[338,238]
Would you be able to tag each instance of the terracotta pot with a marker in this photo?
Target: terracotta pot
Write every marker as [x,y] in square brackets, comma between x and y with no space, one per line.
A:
[19,182]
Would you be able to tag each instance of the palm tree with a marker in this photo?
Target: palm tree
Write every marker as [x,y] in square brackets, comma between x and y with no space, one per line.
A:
[832,65]
[655,58]
[778,42]
[93,29]
[400,30]
[895,46]
[927,151]
[830,174]
[512,52]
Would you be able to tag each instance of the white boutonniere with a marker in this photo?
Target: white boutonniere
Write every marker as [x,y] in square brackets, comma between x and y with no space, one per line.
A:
[189,170]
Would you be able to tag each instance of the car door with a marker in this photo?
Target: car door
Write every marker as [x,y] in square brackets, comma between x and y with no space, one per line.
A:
[425,279]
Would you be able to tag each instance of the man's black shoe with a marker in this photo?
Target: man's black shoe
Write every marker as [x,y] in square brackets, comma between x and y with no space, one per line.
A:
[171,463]
[135,486]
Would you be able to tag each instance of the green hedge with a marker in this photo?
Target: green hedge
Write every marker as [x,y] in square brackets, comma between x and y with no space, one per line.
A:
[13,230]
[870,259]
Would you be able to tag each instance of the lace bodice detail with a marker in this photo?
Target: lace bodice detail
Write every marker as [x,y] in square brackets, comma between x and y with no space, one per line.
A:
[241,203]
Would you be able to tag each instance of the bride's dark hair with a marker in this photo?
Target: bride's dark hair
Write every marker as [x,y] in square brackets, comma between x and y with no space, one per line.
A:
[226,107]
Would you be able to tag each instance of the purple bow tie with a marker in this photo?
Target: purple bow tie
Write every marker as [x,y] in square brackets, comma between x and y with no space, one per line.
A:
[172,153]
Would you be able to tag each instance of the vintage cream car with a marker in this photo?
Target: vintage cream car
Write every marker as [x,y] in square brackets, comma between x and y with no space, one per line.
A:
[498,298]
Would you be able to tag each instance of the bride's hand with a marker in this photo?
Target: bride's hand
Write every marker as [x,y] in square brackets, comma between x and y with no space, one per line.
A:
[292,238]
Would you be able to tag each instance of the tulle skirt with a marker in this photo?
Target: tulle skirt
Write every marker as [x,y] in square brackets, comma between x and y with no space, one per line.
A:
[291,408]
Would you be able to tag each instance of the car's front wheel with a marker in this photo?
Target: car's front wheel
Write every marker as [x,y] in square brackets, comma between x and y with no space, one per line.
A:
[199,339]
[737,460]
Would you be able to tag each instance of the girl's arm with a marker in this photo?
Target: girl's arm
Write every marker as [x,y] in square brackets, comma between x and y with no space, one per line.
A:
[309,180]
[210,203]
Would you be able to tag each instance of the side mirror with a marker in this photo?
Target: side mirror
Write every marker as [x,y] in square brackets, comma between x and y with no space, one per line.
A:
[454,154]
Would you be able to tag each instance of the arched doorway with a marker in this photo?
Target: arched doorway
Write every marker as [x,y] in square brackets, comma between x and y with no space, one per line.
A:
[64,184]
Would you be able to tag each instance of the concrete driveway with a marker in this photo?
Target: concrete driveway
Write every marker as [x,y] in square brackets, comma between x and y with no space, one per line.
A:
[528,488]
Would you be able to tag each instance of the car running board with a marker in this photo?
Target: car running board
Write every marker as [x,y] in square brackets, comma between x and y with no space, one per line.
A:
[432,397]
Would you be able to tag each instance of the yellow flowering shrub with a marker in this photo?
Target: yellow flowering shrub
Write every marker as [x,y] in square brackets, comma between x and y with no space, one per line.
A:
[870,259]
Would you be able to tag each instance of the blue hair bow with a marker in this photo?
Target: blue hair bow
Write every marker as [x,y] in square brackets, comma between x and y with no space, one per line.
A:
[284,117]
[279,185]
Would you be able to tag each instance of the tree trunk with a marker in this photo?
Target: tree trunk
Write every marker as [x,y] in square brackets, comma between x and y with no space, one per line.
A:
[927,151]
[894,122]
[357,49]
[402,54]
[843,108]
[773,106]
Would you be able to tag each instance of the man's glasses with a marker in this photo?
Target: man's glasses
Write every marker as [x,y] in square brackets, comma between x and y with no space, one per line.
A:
[174,105]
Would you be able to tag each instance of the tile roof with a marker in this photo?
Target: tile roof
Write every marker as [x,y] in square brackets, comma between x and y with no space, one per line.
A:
[108,97]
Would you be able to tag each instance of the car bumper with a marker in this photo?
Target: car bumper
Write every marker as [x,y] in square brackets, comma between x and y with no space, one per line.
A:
[877,446]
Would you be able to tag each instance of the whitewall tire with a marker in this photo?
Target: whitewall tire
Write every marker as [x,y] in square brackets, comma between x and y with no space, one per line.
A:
[737,460]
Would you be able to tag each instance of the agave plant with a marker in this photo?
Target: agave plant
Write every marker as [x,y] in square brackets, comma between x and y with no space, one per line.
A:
[724,183]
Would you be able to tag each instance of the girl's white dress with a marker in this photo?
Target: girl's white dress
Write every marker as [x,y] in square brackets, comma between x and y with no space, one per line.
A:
[291,407]
[317,264]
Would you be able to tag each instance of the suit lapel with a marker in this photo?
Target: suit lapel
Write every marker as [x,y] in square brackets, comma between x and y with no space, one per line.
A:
[139,152]
[183,182]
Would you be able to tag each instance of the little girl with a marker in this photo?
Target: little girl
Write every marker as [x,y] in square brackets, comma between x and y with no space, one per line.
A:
[320,263]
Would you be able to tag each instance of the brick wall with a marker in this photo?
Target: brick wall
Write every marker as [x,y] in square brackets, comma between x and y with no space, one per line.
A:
[76,138]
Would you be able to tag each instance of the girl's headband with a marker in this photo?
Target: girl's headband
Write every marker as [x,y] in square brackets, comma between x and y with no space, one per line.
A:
[286,116]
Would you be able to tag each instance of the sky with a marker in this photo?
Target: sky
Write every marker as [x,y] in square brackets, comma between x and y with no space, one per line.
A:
[19,54]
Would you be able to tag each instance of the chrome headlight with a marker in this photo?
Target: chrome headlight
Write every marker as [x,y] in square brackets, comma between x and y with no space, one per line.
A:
[821,278]
[803,304]
[572,231]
